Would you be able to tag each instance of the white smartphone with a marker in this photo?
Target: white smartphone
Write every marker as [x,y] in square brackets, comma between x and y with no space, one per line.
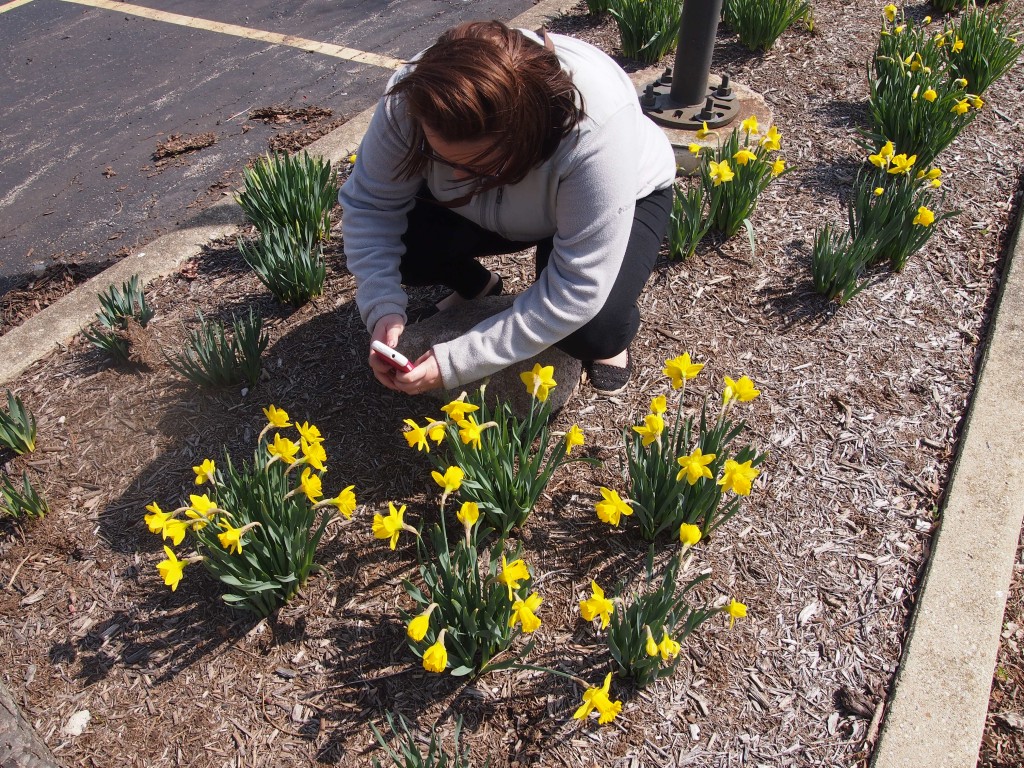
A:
[392,356]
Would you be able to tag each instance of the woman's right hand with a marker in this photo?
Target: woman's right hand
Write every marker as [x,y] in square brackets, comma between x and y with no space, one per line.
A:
[389,330]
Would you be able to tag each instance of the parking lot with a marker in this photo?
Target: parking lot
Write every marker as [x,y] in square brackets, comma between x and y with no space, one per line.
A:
[101,94]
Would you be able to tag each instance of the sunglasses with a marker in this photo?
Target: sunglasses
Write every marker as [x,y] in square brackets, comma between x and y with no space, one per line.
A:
[426,151]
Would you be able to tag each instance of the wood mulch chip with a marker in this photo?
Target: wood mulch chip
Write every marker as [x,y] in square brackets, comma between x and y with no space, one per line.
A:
[860,411]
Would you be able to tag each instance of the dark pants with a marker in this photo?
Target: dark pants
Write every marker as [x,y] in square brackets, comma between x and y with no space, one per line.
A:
[442,248]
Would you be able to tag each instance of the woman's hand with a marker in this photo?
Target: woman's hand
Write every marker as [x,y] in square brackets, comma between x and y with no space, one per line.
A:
[425,376]
[389,330]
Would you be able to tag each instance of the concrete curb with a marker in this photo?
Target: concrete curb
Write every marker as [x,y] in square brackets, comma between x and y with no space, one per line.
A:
[941,692]
[937,713]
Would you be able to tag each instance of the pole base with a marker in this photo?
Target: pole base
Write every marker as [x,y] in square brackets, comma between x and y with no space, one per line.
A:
[720,106]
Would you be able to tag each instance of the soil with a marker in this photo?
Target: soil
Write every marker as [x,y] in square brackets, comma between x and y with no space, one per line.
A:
[860,411]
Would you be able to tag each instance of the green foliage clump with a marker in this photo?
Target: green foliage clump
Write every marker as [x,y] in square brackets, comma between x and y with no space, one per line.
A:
[119,308]
[21,501]
[759,23]
[211,360]
[648,29]
[17,426]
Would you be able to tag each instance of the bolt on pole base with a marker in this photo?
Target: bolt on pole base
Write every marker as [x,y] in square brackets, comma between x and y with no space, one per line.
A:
[720,106]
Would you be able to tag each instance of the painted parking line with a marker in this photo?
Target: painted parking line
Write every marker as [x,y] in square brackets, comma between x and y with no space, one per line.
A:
[13,4]
[312,46]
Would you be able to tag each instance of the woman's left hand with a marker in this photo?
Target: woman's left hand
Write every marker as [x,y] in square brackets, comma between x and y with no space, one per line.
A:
[424,377]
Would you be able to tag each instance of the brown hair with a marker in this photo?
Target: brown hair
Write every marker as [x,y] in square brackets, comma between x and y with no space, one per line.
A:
[483,80]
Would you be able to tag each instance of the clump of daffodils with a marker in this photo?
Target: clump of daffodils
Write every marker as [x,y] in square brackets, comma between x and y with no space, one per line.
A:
[473,604]
[646,630]
[918,100]
[505,462]
[682,476]
[257,525]
[735,174]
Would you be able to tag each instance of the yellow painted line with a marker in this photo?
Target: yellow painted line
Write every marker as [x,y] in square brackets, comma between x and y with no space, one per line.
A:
[12,5]
[327,49]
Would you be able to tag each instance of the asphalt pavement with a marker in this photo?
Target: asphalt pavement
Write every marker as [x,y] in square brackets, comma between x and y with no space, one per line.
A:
[94,87]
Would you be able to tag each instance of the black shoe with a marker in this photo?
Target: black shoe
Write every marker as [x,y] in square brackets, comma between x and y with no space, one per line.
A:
[609,379]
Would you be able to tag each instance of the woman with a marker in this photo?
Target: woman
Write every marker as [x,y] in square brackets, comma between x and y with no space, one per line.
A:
[491,141]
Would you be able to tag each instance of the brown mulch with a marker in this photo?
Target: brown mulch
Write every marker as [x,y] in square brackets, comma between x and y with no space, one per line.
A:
[178,144]
[32,295]
[860,412]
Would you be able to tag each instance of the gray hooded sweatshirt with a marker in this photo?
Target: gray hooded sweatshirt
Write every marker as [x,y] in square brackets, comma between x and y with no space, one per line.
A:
[583,196]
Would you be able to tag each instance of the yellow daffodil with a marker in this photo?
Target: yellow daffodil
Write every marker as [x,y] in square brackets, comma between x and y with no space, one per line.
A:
[597,606]
[470,431]
[694,466]
[772,140]
[744,156]
[960,82]
[750,124]
[879,191]
[205,472]
[276,417]
[540,381]
[958,45]
[435,658]
[436,431]
[934,173]
[418,627]
[389,527]
[650,647]
[416,436]
[721,172]
[689,535]
[450,481]
[513,574]
[599,699]
[927,20]
[899,29]
[695,149]
[962,107]
[468,514]
[573,438]
[778,167]
[742,389]
[313,454]
[902,164]
[282,448]
[652,428]
[680,369]
[157,518]
[456,410]
[309,432]
[231,539]
[174,530]
[352,158]
[345,501]
[889,12]
[736,610]
[929,95]
[171,569]
[924,217]
[202,505]
[668,648]
[525,612]
[659,405]
[976,101]
[703,131]
[738,477]
[311,485]
[611,507]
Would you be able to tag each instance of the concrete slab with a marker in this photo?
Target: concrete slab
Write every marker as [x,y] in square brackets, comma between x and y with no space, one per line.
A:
[937,713]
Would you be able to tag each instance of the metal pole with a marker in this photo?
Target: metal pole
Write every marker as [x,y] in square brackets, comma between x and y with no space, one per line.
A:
[696,43]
